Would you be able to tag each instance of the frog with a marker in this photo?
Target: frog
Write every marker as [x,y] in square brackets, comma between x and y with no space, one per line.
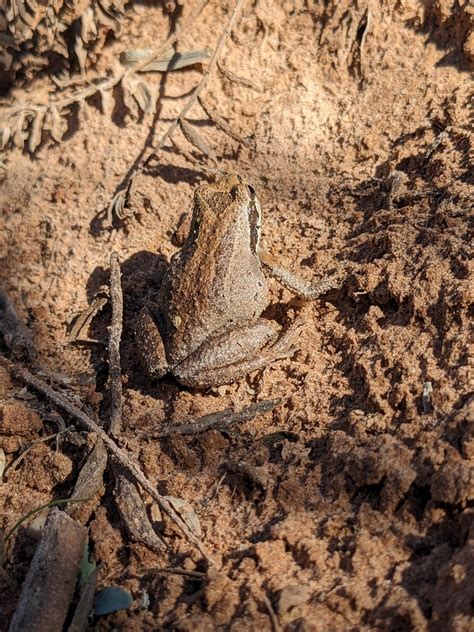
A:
[205,326]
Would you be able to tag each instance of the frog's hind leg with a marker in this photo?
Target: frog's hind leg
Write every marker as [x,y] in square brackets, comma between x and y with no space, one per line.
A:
[235,351]
[149,344]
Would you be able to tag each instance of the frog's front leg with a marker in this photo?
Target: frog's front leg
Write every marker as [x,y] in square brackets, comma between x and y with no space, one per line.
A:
[149,344]
[297,285]
[234,351]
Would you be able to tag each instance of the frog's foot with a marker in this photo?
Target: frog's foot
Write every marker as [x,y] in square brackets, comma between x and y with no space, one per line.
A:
[233,352]
[287,343]
[150,347]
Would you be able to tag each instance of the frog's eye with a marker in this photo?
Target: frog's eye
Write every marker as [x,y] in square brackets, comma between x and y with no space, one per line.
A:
[234,192]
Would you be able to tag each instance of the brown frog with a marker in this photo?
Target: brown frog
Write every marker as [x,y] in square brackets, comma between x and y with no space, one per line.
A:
[206,326]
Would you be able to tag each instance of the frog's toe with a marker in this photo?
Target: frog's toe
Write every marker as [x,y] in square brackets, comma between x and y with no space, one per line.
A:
[288,343]
[150,347]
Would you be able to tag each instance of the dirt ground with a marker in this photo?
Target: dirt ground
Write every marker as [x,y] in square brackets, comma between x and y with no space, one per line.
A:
[349,506]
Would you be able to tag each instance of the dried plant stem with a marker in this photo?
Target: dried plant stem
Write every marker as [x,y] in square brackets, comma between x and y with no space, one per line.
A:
[220,420]
[108,84]
[172,571]
[196,92]
[274,619]
[115,335]
[151,152]
[118,453]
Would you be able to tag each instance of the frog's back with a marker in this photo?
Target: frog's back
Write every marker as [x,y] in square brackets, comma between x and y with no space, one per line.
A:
[214,282]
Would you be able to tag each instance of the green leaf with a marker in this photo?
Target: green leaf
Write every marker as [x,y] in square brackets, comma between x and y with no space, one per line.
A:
[111,599]
[52,503]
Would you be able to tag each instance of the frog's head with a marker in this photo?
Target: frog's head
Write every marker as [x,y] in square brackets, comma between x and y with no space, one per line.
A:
[233,199]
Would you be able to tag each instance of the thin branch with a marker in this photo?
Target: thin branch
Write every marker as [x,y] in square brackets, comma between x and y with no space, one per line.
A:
[173,571]
[220,420]
[118,453]
[196,92]
[115,335]
[274,619]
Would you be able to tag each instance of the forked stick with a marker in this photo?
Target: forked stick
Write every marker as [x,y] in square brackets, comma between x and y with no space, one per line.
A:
[118,453]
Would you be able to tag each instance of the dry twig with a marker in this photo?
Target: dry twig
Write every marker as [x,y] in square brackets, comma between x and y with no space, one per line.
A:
[173,571]
[274,619]
[115,334]
[220,420]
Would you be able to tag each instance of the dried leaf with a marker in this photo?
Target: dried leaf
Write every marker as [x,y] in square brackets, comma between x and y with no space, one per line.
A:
[56,129]
[90,479]
[128,100]
[35,132]
[18,137]
[240,81]
[195,139]
[134,515]
[167,62]
[5,133]
[119,204]
[186,513]
[141,94]
[116,206]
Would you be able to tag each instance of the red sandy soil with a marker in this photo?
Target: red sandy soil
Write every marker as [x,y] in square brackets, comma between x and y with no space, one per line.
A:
[353,510]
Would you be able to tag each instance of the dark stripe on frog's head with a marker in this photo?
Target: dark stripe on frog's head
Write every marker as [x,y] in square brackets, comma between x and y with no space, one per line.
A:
[255,221]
